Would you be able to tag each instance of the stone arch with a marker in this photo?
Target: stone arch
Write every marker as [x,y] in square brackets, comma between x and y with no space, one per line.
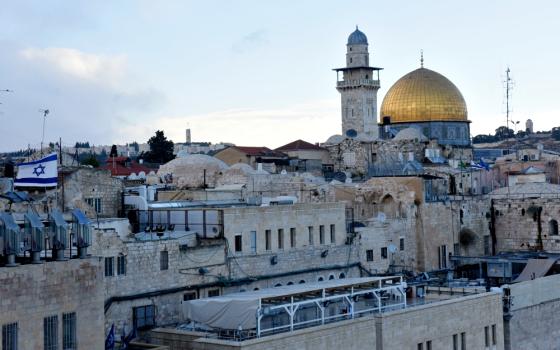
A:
[301,281]
[553,227]
[389,206]
[342,275]
[320,279]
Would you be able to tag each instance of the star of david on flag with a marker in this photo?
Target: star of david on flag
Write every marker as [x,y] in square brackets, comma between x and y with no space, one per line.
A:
[38,173]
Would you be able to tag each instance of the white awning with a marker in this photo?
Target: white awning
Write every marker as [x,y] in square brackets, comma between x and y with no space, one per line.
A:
[239,310]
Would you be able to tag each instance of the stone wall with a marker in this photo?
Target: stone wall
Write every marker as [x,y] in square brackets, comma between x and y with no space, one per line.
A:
[517,224]
[29,293]
[86,183]
[535,309]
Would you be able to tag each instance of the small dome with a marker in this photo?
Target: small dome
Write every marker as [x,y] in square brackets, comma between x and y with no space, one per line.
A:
[334,140]
[362,137]
[357,38]
[183,154]
[244,168]
[410,134]
[189,171]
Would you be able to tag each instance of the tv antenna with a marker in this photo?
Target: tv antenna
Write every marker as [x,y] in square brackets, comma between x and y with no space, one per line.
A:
[45,113]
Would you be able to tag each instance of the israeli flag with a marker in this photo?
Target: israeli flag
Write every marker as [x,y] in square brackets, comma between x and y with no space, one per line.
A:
[38,173]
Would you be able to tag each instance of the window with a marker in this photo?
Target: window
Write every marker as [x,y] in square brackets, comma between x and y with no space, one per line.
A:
[401,244]
[109,266]
[333,234]
[121,265]
[342,275]
[420,346]
[293,237]
[310,229]
[429,345]
[213,293]
[442,256]
[455,342]
[95,203]
[321,234]
[463,341]
[456,249]
[144,317]
[10,336]
[164,260]
[486,245]
[267,237]
[369,255]
[50,333]
[493,334]
[384,253]
[254,242]
[487,336]
[280,238]
[69,331]
[189,296]
[238,243]
[553,226]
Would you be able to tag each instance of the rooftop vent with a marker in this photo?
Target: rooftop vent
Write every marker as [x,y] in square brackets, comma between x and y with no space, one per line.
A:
[11,238]
[34,231]
[81,227]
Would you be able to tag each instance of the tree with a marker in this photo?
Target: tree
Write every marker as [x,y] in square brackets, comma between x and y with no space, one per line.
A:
[114,152]
[91,160]
[161,149]
[504,132]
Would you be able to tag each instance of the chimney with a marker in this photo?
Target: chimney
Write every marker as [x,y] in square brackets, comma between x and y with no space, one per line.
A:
[188,135]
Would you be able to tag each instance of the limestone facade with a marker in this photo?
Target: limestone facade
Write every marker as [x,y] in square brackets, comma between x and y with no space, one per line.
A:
[32,293]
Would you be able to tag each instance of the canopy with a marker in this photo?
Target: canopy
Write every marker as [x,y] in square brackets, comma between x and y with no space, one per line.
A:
[239,310]
[535,268]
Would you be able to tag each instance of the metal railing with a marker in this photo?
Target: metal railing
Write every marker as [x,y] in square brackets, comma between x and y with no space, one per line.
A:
[358,82]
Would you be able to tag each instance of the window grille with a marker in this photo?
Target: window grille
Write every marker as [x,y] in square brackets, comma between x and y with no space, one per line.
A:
[164,260]
[121,265]
[109,266]
[50,332]
[69,331]
[10,336]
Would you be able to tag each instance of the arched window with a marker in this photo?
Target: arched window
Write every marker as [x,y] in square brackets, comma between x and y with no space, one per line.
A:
[553,227]
[302,282]
[342,275]
[320,279]
[290,283]
[256,288]
[278,285]
[331,277]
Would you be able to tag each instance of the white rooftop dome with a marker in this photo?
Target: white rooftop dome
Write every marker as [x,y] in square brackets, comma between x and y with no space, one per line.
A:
[410,134]
[190,171]
[334,140]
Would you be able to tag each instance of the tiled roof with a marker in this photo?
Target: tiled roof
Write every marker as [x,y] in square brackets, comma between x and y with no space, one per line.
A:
[260,151]
[299,145]
[118,167]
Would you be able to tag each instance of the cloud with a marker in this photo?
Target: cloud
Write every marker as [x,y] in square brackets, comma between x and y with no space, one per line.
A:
[251,41]
[90,95]
[95,68]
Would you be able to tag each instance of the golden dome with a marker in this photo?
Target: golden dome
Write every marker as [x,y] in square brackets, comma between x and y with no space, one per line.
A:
[424,95]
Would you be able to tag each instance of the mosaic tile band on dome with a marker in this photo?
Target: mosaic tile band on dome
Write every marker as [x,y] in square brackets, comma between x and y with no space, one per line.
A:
[423,95]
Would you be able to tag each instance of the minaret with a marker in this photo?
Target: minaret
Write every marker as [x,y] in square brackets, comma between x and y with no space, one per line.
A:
[358,89]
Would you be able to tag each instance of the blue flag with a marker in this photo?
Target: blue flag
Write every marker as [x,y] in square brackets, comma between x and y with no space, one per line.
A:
[110,340]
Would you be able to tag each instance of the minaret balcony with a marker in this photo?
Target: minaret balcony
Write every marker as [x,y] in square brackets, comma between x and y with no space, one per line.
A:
[358,83]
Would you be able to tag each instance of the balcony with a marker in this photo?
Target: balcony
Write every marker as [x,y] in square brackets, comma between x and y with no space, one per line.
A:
[357,83]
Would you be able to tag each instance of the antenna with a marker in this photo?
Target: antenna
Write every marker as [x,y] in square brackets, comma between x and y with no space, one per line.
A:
[421,58]
[45,113]
[509,87]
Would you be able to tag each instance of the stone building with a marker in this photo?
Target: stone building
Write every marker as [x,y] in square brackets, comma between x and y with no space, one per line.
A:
[238,248]
[57,304]
[94,191]
[306,157]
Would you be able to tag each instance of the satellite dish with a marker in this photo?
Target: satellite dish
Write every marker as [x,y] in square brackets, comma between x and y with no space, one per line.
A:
[339,176]
[392,248]
[351,133]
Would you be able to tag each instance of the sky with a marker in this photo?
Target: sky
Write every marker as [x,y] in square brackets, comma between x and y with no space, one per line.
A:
[256,73]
